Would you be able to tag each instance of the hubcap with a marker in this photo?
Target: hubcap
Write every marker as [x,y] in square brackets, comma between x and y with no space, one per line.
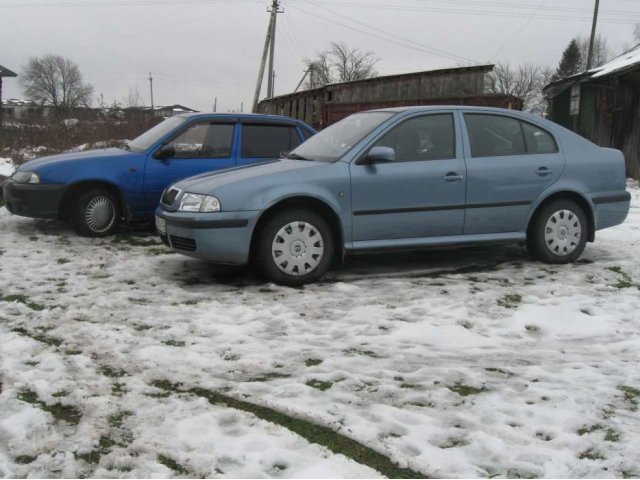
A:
[100,214]
[297,248]
[563,232]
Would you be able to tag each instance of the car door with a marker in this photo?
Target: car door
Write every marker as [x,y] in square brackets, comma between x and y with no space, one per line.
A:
[200,147]
[510,162]
[261,142]
[421,193]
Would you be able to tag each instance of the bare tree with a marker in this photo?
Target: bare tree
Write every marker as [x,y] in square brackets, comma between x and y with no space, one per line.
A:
[56,80]
[601,51]
[134,99]
[339,63]
[525,82]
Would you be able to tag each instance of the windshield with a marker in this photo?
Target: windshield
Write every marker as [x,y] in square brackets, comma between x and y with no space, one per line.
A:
[333,142]
[154,134]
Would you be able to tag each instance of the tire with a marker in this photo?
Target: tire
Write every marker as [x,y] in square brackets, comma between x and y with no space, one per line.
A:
[559,232]
[295,247]
[95,213]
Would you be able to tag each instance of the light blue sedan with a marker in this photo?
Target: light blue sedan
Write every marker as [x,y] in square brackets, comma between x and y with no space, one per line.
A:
[403,178]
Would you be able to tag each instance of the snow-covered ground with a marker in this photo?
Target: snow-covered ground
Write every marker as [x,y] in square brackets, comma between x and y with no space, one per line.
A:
[6,167]
[467,362]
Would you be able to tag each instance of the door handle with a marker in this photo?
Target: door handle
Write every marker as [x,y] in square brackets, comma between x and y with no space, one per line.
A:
[544,171]
[453,177]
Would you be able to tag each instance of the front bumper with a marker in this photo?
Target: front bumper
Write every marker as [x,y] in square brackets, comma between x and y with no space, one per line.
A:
[221,237]
[32,200]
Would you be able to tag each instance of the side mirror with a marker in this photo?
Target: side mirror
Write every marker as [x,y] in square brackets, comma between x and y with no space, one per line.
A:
[378,155]
[166,151]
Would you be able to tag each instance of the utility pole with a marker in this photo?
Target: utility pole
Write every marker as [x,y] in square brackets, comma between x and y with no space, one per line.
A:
[151,88]
[593,35]
[268,42]
[215,105]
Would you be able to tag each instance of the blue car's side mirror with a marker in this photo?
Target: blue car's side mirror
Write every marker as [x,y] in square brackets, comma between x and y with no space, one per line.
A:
[166,151]
[378,154]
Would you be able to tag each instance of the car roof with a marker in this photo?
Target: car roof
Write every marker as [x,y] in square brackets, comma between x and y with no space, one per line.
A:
[427,108]
[240,116]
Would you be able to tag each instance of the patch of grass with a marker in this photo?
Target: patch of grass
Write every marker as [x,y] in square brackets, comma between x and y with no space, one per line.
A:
[612,435]
[138,327]
[24,300]
[174,343]
[61,393]
[466,390]
[33,238]
[265,377]
[409,385]
[544,436]
[631,396]
[92,457]
[591,454]
[312,362]
[356,351]
[172,464]
[586,311]
[111,372]
[319,384]
[73,351]
[24,459]
[62,261]
[116,420]
[499,370]
[118,389]
[60,412]
[51,341]
[510,300]
[422,404]
[532,328]
[589,429]
[625,280]
[317,434]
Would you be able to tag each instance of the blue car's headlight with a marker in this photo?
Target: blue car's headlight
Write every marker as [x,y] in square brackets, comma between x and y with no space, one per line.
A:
[193,202]
[25,177]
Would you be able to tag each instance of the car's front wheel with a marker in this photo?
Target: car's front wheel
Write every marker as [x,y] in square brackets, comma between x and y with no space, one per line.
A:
[295,247]
[95,213]
[559,232]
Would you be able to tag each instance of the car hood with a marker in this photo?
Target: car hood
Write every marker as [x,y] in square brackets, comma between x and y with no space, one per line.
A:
[207,182]
[72,157]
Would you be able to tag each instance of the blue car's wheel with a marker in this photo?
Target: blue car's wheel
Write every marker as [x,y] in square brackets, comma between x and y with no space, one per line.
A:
[559,232]
[96,213]
[295,247]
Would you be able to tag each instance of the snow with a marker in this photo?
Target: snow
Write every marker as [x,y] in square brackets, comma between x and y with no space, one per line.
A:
[625,60]
[6,167]
[457,363]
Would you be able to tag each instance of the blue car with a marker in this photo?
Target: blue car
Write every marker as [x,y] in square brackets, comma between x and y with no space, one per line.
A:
[405,178]
[96,189]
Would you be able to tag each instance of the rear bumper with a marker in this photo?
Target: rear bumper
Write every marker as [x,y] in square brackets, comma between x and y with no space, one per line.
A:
[32,200]
[223,237]
[610,208]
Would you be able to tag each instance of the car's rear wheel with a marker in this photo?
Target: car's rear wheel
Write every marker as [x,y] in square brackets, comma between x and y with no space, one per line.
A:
[295,247]
[95,213]
[559,232]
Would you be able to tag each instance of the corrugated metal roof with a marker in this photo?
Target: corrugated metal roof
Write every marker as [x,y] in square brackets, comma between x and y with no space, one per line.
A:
[5,72]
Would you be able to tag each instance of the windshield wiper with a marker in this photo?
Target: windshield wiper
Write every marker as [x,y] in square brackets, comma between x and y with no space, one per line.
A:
[295,156]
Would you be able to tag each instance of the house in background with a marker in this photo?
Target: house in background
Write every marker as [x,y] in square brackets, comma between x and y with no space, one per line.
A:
[171,110]
[603,105]
[320,107]
[19,109]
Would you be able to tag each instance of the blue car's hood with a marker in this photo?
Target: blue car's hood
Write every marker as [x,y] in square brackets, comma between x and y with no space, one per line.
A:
[72,157]
[207,182]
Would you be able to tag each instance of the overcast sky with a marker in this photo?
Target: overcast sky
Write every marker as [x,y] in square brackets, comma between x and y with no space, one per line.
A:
[197,50]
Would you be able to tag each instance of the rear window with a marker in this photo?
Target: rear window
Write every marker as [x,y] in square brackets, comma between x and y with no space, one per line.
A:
[268,141]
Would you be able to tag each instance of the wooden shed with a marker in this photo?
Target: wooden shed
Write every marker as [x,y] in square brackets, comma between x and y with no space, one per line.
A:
[603,105]
[323,106]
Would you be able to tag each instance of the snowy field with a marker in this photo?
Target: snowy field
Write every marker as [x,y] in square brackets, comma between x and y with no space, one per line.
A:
[121,359]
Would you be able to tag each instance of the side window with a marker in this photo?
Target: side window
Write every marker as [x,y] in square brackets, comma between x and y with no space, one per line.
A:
[538,141]
[493,135]
[430,137]
[204,140]
[268,141]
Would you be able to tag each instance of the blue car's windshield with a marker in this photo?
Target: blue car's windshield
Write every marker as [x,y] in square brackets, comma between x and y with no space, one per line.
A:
[333,142]
[154,134]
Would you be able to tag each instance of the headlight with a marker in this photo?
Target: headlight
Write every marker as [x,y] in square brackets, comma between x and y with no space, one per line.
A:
[193,202]
[25,177]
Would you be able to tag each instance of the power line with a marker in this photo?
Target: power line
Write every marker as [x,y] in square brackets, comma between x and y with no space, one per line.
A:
[390,37]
